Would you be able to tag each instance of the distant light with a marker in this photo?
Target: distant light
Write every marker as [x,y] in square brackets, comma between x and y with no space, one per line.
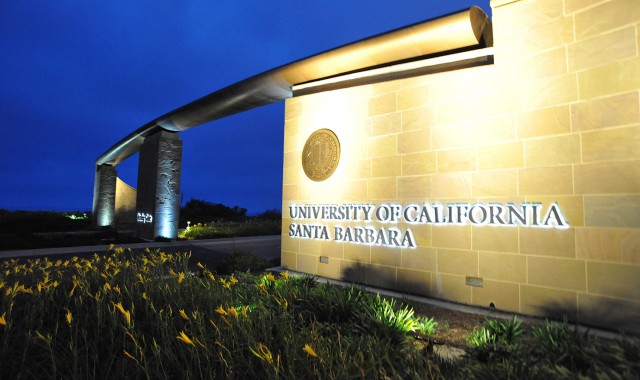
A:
[77,217]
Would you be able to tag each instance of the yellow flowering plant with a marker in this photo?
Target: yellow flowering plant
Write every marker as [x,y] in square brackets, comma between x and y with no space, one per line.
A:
[269,322]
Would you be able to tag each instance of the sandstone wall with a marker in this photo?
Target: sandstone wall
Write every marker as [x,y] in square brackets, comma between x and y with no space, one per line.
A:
[556,118]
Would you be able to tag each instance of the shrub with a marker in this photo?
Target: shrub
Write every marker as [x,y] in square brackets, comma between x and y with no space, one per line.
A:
[555,351]
[494,332]
[325,303]
[384,318]
[481,338]
[426,326]
[505,332]
[257,227]
[39,221]
[573,351]
[242,261]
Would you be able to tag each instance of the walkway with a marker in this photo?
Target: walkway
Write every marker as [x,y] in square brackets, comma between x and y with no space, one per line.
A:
[207,252]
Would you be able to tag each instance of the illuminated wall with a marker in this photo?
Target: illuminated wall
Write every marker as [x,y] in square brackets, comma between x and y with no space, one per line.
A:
[158,194]
[533,164]
[104,196]
[114,201]
[125,203]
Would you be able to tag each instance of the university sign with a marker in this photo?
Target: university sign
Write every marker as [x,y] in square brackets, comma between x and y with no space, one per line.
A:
[526,214]
[430,134]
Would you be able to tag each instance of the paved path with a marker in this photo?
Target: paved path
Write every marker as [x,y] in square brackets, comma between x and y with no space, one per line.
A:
[205,251]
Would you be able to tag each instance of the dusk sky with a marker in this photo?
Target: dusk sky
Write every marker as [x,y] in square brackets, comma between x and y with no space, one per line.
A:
[77,76]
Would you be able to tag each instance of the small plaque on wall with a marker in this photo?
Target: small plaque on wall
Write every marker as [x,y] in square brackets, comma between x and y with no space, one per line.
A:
[475,281]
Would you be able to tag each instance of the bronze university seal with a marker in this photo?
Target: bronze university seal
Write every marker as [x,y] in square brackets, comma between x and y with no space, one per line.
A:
[320,155]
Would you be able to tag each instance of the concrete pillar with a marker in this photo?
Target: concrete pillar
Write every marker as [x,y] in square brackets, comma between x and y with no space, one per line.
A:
[104,196]
[158,198]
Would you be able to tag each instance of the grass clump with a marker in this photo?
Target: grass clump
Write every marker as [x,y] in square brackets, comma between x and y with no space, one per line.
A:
[494,334]
[504,349]
[570,350]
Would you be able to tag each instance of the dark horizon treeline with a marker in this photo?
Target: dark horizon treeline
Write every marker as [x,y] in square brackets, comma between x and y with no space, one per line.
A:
[41,221]
[194,211]
[200,211]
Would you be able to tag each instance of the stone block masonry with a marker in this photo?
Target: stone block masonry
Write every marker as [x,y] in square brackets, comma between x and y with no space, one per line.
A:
[158,195]
[104,196]
[555,120]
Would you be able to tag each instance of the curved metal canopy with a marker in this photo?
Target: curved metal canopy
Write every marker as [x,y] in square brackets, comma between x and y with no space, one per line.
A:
[466,29]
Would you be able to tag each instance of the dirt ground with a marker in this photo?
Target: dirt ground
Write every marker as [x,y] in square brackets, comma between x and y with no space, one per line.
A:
[453,326]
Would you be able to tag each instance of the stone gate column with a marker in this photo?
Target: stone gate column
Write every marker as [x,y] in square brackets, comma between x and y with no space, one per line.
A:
[158,198]
[104,196]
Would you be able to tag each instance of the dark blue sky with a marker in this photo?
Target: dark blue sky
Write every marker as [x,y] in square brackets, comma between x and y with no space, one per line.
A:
[77,76]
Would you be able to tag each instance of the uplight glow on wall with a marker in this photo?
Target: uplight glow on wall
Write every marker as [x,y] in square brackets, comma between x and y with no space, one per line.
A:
[426,161]
[517,171]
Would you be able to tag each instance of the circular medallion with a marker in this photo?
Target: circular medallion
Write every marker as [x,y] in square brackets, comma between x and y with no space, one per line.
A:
[320,155]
